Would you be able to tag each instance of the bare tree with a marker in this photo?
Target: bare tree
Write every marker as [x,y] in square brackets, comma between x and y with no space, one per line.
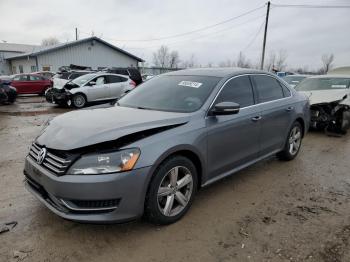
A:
[276,62]
[227,63]
[270,63]
[327,61]
[49,41]
[281,60]
[174,59]
[242,61]
[161,57]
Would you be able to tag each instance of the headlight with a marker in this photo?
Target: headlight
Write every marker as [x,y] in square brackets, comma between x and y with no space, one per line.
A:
[105,163]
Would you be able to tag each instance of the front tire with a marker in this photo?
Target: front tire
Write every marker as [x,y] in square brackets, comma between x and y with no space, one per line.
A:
[293,143]
[171,191]
[79,100]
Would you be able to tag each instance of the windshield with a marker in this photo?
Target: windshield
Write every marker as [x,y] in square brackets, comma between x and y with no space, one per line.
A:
[171,93]
[323,84]
[293,80]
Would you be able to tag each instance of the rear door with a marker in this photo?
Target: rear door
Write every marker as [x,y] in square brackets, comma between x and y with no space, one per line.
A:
[277,112]
[233,140]
[117,85]
[97,89]
[37,84]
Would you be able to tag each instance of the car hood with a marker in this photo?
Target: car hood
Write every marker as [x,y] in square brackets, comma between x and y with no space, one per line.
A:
[327,96]
[87,127]
[59,83]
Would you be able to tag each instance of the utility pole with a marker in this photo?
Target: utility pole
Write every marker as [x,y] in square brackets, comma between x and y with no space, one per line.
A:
[76,33]
[265,34]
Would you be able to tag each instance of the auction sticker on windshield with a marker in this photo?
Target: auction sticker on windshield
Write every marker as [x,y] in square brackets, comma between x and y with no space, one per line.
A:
[190,84]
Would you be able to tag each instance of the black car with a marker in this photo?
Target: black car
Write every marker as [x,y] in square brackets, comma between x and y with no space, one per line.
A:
[8,93]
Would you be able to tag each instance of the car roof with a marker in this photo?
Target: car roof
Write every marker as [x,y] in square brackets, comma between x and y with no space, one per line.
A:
[331,76]
[296,76]
[217,72]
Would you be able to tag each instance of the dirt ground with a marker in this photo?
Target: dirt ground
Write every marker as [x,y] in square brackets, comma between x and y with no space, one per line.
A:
[272,211]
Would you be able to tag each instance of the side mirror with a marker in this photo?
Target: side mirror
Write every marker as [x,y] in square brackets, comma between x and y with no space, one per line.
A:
[225,108]
[92,83]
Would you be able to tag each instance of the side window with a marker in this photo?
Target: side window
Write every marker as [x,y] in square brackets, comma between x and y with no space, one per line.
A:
[34,78]
[17,78]
[23,78]
[113,79]
[268,88]
[116,79]
[100,80]
[238,90]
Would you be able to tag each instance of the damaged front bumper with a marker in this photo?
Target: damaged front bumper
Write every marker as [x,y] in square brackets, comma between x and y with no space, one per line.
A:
[117,197]
[58,96]
[330,117]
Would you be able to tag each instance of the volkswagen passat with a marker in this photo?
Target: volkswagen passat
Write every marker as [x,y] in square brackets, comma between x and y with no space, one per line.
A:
[160,143]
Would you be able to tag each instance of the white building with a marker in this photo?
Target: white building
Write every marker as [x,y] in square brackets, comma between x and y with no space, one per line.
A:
[92,52]
[8,50]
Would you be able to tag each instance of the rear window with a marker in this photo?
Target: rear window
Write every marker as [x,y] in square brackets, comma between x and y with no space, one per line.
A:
[311,84]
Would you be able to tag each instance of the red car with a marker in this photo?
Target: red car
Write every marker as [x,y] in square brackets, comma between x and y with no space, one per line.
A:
[30,84]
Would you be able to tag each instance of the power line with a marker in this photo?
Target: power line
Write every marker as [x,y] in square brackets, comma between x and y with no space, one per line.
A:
[254,38]
[190,32]
[310,6]
[200,36]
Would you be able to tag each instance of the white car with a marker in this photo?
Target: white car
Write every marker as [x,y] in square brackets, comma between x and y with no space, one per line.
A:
[294,80]
[329,97]
[90,88]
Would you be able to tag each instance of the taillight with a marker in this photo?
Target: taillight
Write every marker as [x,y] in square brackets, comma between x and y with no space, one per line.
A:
[132,83]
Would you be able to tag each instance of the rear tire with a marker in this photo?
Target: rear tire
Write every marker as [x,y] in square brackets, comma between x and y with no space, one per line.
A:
[293,143]
[79,100]
[171,191]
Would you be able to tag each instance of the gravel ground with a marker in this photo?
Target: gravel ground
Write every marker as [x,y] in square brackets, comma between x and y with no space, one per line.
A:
[272,211]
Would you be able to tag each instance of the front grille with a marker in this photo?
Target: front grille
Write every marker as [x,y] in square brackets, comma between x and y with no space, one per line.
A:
[52,162]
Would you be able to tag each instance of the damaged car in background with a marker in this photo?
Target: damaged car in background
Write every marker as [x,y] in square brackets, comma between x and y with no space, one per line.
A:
[160,143]
[90,88]
[329,102]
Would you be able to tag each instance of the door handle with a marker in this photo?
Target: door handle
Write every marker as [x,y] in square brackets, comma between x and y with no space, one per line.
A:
[256,118]
[289,108]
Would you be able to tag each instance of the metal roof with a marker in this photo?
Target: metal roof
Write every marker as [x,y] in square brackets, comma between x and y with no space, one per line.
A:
[18,48]
[48,49]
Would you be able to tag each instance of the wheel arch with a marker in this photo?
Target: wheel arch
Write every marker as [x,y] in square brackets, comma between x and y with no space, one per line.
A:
[80,93]
[187,151]
[301,121]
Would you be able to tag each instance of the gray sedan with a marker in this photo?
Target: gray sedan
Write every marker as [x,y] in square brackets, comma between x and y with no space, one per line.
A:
[152,151]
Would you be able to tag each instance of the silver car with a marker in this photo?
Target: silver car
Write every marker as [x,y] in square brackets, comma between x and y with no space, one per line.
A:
[90,88]
[152,151]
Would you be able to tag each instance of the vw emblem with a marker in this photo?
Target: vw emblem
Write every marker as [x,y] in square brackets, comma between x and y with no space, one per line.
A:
[41,156]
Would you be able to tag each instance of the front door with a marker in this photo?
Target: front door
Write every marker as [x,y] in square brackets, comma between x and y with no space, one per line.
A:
[233,140]
[97,89]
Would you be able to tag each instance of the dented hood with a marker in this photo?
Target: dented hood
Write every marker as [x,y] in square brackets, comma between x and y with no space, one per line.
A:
[59,83]
[92,126]
[327,96]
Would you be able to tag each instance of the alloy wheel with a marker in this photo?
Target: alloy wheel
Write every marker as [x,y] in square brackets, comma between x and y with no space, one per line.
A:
[175,191]
[79,101]
[294,140]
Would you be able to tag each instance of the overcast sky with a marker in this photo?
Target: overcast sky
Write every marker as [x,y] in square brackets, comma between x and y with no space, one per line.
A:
[305,34]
